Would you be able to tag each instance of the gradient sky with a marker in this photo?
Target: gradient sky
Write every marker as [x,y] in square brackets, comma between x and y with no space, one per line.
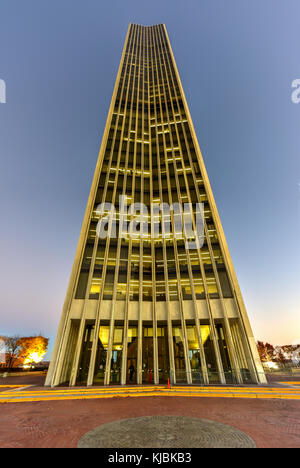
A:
[237,60]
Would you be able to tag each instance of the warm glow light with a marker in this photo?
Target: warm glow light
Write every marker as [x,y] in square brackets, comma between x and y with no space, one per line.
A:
[104,335]
[271,365]
[33,357]
[205,332]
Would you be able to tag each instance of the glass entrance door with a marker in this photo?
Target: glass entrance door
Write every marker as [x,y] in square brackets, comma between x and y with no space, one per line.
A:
[147,360]
[132,342]
[163,354]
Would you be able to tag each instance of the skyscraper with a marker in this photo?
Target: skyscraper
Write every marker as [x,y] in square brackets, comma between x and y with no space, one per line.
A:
[145,305]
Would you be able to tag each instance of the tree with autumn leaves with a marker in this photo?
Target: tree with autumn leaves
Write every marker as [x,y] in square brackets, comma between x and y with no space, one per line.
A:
[32,349]
[280,354]
[266,351]
[24,351]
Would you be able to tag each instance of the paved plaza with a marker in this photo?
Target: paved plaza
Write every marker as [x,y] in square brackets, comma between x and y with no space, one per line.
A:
[269,416]
[165,432]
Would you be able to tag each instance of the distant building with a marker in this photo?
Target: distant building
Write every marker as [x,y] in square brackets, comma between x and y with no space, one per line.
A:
[2,352]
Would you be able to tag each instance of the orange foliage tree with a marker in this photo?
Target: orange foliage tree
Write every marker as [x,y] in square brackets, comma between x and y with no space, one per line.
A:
[265,350]
[32,349]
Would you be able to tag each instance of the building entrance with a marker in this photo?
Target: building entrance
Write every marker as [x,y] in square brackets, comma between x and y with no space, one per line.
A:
[147,356]
[132,355]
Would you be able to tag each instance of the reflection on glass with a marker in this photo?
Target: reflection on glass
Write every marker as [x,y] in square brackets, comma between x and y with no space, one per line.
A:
[84,272]
[194,351]
[95,284]
[163,354]
[179,354]
[210,356]
[147,355]
[132,354]
[101,355]
[116,358]
[86,349]
[223,349]
[212,285]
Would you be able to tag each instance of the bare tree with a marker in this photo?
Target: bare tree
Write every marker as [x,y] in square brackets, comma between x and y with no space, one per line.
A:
[12,349]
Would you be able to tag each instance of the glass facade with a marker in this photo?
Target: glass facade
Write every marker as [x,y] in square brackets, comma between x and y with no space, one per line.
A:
[147,293]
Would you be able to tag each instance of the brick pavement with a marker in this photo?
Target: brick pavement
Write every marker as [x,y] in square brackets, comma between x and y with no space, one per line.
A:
[270,423]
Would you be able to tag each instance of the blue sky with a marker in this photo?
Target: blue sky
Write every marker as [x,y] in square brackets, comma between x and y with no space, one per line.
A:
[237,61]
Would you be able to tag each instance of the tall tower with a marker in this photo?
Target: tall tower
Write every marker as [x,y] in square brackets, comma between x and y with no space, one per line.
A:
[142,308]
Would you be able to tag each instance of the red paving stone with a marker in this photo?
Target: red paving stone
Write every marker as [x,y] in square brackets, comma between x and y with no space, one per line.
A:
[271,423]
